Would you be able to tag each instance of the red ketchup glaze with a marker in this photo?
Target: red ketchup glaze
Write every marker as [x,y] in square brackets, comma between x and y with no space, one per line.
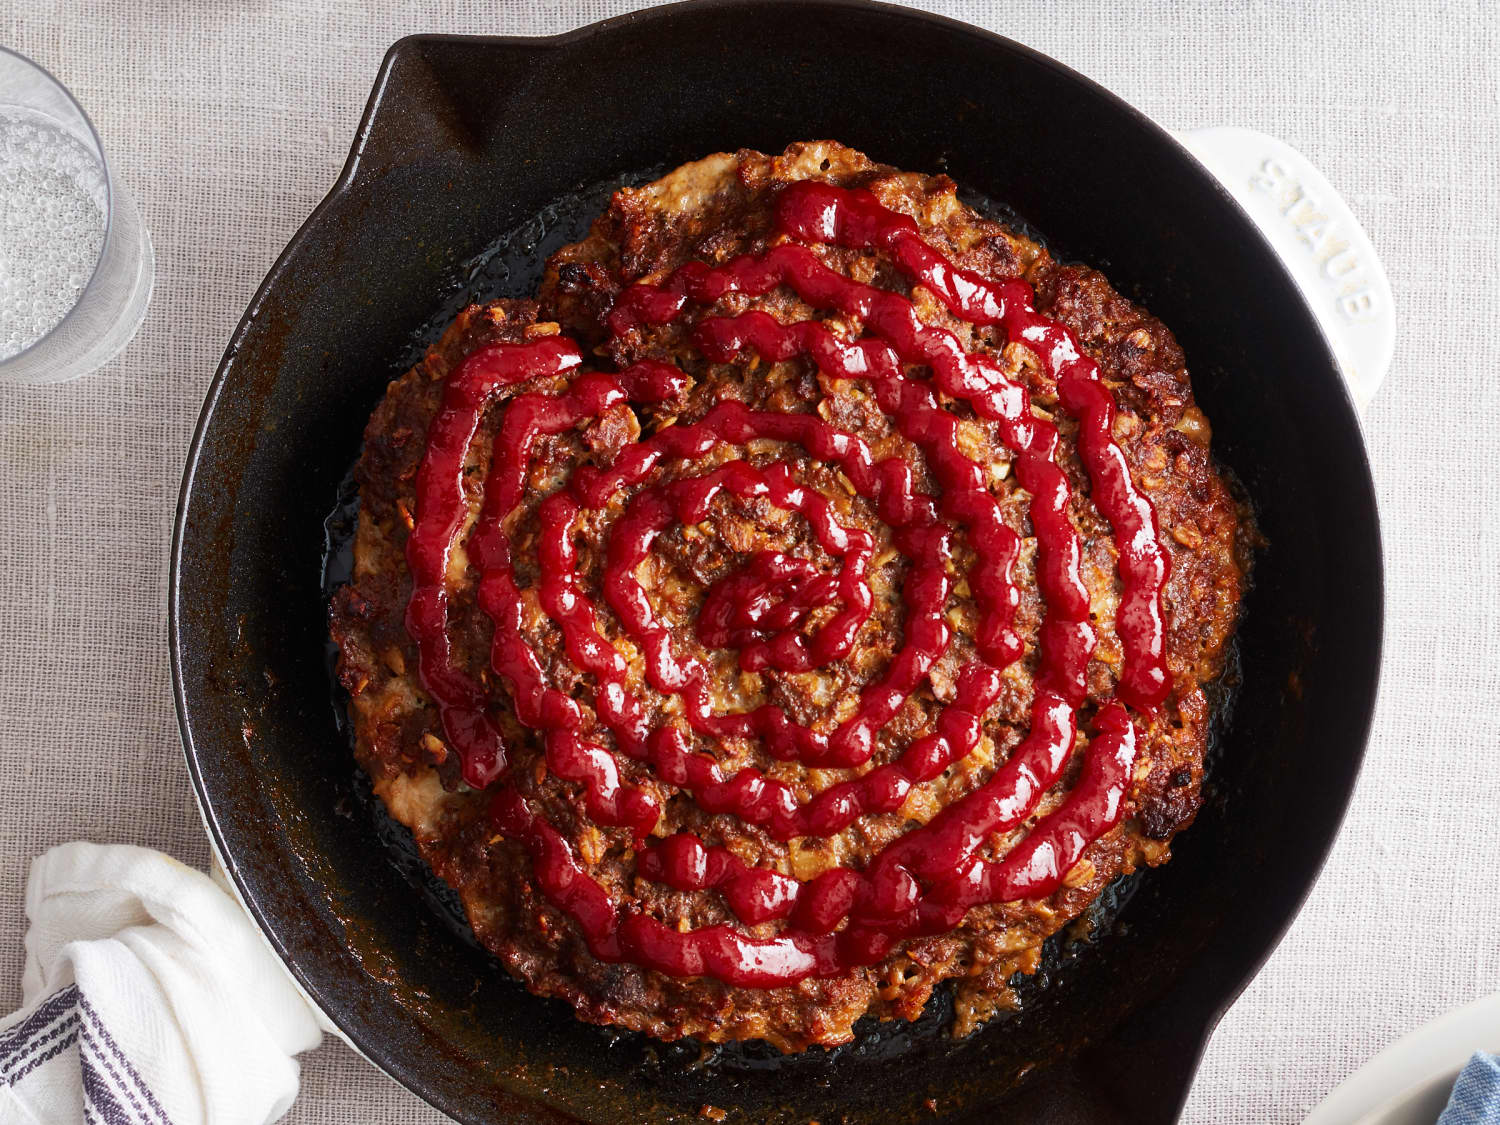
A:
[685,862]
[441,508]
[926,880]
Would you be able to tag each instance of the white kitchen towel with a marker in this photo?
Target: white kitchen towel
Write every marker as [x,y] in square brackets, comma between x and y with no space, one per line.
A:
[149,998]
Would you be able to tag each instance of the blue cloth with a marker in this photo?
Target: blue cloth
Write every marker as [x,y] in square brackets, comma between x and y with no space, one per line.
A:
[1476,1095]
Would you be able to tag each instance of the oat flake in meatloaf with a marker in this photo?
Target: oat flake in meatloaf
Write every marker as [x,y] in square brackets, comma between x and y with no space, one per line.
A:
[710,212]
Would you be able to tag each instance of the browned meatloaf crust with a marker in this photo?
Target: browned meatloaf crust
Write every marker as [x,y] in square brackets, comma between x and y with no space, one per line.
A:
[709,211]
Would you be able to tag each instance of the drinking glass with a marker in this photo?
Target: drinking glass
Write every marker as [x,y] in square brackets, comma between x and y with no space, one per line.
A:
[76,265]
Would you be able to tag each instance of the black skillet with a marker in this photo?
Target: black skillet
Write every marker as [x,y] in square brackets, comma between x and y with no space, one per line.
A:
[464,138]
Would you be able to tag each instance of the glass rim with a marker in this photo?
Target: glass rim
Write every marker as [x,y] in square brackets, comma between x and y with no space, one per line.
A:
[109,206]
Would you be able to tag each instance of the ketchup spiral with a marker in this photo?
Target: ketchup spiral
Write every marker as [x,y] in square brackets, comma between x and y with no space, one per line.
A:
[927,879]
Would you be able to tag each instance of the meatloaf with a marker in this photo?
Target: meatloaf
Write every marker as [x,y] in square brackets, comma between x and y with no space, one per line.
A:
[592,856]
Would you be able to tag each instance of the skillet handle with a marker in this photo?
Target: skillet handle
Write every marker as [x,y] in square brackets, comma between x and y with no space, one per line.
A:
[1317,238]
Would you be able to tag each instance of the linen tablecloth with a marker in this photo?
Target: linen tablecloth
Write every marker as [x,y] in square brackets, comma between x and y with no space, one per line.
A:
[230,120]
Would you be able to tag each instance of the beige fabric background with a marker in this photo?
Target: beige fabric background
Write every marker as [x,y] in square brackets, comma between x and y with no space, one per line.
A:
[231,119]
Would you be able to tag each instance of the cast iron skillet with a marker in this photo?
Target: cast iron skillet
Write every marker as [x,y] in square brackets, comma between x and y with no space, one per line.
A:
[463,138]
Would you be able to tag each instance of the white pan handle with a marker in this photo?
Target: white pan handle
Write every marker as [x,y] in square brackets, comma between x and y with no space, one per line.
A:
[1319,240]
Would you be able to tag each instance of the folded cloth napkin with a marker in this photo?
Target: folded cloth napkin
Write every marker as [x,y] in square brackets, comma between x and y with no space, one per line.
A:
[149,998]
[1476,1095]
